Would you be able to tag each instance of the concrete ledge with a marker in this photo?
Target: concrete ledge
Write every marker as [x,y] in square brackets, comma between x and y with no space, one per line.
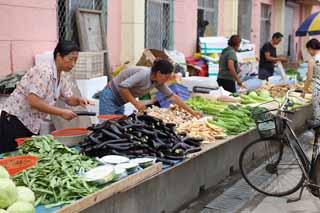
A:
[174,187]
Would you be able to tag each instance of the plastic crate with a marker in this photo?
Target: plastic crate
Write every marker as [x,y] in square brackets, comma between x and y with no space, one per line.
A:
[89,65]
[178,89]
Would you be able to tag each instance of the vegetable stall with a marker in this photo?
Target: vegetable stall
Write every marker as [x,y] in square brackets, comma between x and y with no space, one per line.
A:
[157,160]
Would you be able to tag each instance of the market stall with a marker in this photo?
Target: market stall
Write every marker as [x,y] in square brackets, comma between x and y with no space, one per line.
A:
[178,185]
[157,160]
[155,187]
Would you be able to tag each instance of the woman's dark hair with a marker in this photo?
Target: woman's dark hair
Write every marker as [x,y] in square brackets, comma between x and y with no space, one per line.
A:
[163,66]
[234,41]
[313,44]
[65,47]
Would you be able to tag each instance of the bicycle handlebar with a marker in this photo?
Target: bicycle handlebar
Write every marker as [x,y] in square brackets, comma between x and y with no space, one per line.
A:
[286,102]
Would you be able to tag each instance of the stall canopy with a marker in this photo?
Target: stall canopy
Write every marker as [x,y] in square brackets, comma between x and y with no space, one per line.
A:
[310,26]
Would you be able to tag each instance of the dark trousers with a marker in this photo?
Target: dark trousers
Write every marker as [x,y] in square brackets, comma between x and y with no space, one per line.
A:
[228,85]
[10,129]
[264,74]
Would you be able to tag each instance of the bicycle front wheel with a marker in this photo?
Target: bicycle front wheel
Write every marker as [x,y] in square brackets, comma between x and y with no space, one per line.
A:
[270,167]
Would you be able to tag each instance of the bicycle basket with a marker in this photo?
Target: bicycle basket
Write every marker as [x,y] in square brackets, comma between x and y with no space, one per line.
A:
[267,123]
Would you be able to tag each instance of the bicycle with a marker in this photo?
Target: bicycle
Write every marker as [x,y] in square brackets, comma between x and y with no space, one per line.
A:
[275,164]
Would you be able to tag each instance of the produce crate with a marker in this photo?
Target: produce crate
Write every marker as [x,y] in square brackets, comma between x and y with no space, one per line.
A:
[178,89]
[89,65]
[149,55]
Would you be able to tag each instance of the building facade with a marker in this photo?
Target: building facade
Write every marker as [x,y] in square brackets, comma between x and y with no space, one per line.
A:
[34,26]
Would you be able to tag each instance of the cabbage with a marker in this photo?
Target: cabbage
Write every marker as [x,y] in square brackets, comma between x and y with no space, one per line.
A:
[8,192]
[4,173]
[25,194]
[21,207]
[253,94]
[3,211]
[265,94]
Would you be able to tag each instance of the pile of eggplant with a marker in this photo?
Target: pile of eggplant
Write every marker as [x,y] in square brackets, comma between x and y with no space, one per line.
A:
[139,136]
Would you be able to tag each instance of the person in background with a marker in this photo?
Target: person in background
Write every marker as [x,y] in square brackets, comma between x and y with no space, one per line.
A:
[268,57]
[135,82]
[310,73]
[228,66]
[35,96]
[313,47]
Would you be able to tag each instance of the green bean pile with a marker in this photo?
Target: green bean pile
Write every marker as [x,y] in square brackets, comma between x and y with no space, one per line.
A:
[54,179]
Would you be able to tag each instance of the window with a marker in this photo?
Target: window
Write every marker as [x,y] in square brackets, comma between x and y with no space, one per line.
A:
[208,11]
[265,23]
[288,39]
[66,10]
[158,33]
[244,18]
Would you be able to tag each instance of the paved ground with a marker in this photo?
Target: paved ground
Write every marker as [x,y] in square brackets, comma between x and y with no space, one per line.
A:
[308,204]
[234,195]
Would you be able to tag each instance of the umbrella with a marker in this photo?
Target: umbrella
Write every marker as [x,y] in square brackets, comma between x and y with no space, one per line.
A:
[310,26]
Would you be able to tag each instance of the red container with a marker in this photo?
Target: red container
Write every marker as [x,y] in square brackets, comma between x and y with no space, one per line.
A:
[20,141]
[19,163]
[70,132]
[108,117]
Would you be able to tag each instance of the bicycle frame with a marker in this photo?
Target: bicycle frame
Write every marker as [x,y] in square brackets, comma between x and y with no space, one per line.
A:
[300,155]
[292,140]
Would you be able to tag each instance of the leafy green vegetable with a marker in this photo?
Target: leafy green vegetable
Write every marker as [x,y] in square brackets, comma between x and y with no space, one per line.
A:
[3,211]
[234,119]
[253,97]
[253,94]
[4,173]
[207,106]
[21,207]
[264,94]
[8,193]
[291,71]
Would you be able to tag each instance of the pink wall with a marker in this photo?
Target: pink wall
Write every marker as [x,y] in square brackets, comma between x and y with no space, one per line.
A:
[220,18]
[296,24]
[315,8]
[185,26]
[114,31]
[28,27]
[255,21]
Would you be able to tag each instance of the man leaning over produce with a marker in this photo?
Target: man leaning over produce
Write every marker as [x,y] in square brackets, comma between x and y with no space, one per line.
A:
[135,82]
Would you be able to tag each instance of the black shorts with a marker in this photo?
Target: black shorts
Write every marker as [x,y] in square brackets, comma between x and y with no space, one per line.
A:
[228,85]
[10,129]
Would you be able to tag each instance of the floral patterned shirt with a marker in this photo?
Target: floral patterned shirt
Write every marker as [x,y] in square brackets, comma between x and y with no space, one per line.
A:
[42,81]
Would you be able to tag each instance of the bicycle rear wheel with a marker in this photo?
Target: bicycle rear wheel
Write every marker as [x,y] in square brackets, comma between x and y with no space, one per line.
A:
[269,166]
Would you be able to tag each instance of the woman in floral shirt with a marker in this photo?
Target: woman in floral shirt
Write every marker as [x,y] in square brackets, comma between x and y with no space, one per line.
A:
[35,97]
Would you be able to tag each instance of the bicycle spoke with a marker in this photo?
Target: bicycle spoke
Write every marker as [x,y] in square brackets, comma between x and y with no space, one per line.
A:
[273,170]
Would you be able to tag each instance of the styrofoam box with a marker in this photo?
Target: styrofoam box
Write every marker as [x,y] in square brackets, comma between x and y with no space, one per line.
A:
[213,68]
[88,87]
[194,81]
[246,56]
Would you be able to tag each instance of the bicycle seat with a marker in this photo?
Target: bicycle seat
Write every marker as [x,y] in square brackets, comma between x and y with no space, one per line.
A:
[313,124]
